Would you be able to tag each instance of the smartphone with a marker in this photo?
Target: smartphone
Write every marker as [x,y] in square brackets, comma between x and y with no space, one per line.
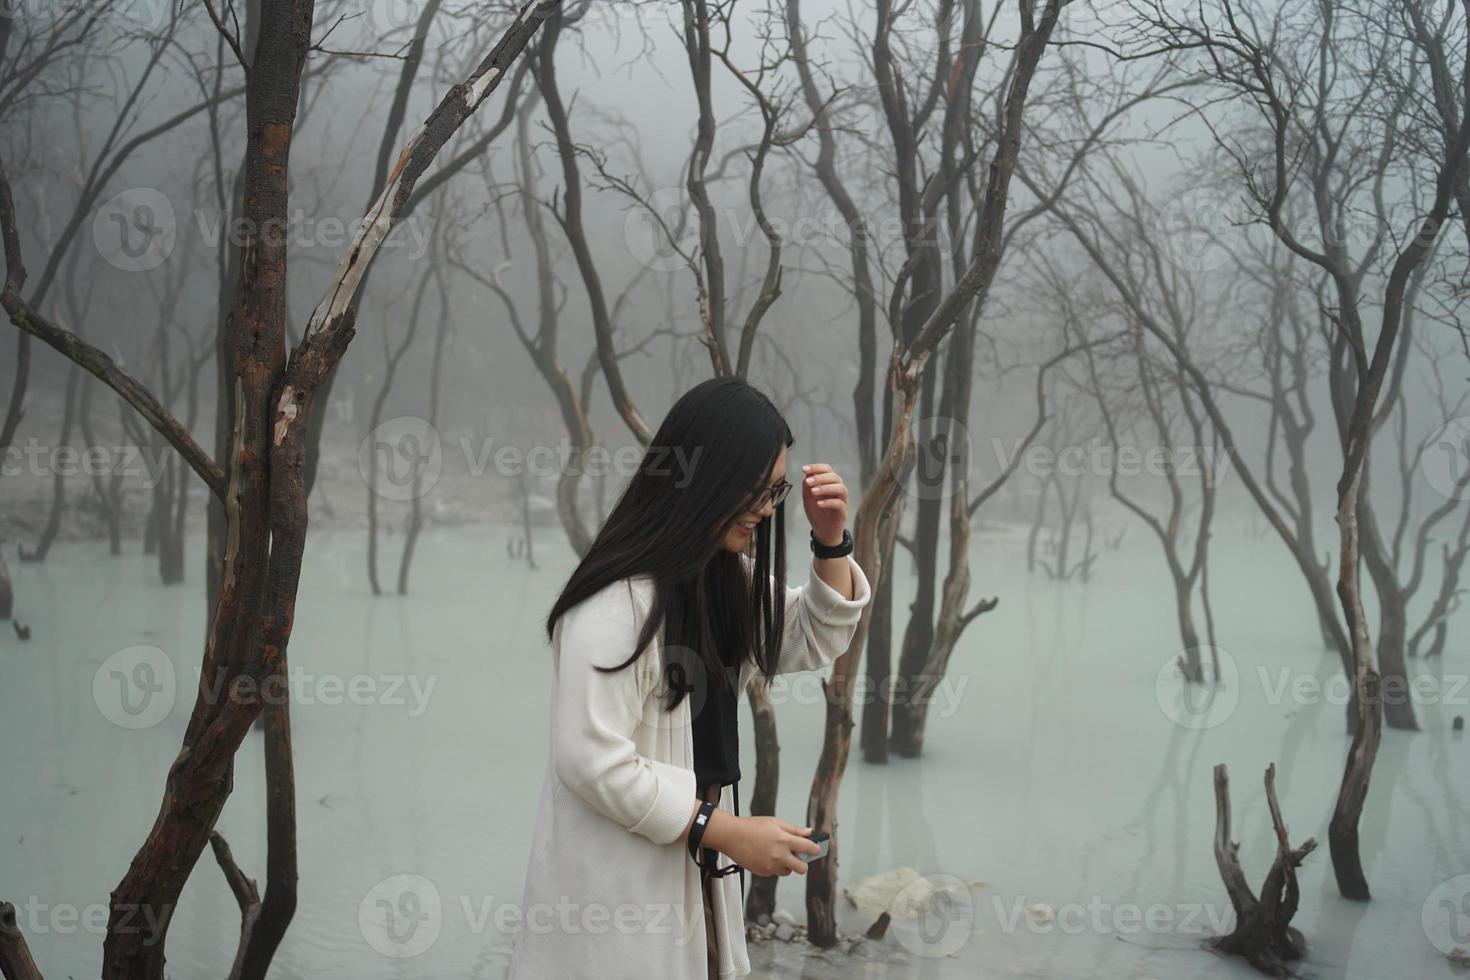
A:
[819,837]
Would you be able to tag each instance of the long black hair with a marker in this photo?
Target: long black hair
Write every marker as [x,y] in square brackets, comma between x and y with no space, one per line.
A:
[704,471]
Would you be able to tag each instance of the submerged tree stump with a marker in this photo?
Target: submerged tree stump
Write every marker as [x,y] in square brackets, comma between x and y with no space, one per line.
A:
[1263,933]
[15,957]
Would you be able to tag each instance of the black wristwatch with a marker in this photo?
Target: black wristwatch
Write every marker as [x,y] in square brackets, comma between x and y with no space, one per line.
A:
[833,550]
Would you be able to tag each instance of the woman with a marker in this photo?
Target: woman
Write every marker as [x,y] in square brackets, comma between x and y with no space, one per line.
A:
[653,639]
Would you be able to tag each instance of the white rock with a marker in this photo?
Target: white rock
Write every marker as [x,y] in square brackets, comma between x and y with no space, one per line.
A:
[903,893]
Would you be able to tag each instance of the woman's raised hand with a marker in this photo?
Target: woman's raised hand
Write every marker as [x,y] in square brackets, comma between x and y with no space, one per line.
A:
[824,496]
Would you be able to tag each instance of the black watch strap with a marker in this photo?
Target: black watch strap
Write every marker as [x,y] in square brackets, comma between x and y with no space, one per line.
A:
[833,551]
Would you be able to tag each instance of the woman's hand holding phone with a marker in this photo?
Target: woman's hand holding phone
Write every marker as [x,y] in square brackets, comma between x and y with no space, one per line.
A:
[765,846]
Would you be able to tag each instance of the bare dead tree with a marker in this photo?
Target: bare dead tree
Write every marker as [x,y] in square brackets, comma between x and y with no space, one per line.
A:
[910,355]
[864,294]
[1288,350]
[1329,92]
[1152,399]
[415,522]
[569,216]
[1263,933]
[1454,547]
[265,494]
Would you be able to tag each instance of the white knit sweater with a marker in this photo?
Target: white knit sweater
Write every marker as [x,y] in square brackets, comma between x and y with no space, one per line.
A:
[611,892]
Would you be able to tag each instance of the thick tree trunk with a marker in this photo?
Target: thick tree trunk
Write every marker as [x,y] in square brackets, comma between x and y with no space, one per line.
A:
[1342,830]
[931,470]
[1190,663]
[274,913]
[1393,627]
[760,902]
[878,671]
[239,652]
[106,486]
[7,590]
[58,481]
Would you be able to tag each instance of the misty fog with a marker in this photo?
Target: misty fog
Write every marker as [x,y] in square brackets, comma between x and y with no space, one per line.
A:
[340,328]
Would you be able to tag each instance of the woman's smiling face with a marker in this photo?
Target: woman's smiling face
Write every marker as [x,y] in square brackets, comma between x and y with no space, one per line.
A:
[742,533]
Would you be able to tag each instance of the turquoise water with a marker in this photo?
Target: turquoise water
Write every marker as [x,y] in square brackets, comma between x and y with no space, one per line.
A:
[1055,772]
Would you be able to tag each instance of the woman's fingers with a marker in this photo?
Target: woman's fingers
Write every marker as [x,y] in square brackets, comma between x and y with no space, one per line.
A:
[803,845]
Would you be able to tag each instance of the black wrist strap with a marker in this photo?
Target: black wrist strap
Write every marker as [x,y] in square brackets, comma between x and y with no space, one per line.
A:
[839,550]
[706,857]
[697,829]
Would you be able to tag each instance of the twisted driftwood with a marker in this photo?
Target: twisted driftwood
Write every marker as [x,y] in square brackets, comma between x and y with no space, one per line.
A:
[1263,932]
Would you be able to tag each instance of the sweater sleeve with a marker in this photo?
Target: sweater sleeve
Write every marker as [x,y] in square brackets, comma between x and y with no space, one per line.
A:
[820,621]
[597,713]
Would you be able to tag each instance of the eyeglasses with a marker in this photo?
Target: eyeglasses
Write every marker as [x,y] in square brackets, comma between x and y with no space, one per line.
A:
[774,494]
